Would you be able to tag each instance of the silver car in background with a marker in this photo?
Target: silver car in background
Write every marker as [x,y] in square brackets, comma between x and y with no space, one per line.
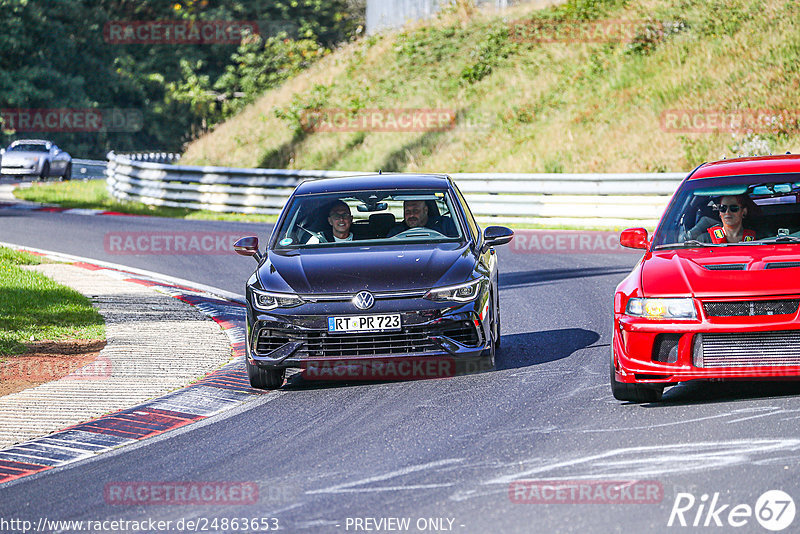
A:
[35,157]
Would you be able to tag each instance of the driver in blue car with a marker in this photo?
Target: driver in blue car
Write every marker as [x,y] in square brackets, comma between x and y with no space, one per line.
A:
[415,215]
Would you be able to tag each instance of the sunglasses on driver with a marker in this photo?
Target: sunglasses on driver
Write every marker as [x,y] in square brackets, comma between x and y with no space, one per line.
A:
[722,208]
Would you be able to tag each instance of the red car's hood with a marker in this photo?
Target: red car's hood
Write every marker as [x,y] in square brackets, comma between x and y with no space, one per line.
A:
[685,272]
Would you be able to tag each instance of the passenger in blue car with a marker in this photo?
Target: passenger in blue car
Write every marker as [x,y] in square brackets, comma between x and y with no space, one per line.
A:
[416,215]
[340,220]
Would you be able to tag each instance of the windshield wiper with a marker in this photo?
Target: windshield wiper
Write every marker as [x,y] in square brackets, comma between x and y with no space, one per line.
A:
[685,244]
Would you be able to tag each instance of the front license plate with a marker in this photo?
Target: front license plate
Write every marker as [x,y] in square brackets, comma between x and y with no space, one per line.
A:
[364,323]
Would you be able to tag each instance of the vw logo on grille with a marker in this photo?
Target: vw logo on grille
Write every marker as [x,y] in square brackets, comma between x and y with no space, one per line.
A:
[363,300]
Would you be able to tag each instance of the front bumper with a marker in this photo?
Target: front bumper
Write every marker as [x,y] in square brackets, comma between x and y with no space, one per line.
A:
[450,333]
[20,171]
[660,352]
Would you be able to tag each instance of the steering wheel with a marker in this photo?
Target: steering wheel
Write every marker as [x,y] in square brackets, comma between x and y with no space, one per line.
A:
[419,232]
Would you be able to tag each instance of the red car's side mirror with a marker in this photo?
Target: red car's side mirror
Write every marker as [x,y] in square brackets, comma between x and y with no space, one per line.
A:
[634,238]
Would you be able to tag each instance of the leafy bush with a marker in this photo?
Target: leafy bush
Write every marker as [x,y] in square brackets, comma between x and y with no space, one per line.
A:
[261,64]
[488,54]
[302,106]
[650,36]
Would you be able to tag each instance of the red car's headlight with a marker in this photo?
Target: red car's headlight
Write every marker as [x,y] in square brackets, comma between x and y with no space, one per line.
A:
[682,308]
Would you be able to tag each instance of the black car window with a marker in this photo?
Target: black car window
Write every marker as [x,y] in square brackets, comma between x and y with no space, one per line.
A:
[769,202]
[368,217]
[28,147]
[473,226]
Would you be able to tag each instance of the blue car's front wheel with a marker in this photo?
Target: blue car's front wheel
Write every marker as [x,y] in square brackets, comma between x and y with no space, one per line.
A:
[265,378]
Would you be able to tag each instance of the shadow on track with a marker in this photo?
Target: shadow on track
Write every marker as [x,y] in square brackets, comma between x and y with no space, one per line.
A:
[533,348]
[518,350]
[704,392]
[530,278]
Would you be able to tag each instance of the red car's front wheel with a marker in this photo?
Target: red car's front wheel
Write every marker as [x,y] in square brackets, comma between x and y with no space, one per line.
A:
[633,392]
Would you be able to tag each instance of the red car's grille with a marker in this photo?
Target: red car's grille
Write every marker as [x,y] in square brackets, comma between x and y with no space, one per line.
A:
[747,349]
[751,307]
[318,344]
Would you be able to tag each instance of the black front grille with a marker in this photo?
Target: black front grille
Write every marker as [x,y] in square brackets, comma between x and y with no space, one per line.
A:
[320,344]
[747,349]
[742,308]
[726,267]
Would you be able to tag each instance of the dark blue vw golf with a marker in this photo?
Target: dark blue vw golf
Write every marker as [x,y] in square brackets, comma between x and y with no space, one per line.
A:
[388,274]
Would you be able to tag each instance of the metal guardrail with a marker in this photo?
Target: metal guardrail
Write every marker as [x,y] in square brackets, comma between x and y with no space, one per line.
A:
[89,169]
[598,200]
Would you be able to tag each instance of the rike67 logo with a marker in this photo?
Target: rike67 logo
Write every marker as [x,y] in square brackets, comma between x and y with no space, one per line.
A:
[774,510]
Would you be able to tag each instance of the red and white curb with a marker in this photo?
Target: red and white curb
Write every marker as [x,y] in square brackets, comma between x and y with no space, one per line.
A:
[217,392]
[57,209]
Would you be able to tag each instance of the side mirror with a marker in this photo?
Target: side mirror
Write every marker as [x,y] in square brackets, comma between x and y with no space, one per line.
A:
[496,235]
[634,238]
[248,246]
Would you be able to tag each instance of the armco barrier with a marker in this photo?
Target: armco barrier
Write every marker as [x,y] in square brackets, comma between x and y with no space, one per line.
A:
[595,200]
[89,169]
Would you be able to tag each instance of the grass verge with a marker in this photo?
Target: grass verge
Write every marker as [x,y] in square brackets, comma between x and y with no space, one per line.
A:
[34,307]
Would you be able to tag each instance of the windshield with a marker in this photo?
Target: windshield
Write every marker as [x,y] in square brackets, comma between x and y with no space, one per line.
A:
[369,217]
[752,210]
[28,147]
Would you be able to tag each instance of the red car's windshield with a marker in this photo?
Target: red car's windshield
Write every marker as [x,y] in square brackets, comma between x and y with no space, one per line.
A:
[757,209]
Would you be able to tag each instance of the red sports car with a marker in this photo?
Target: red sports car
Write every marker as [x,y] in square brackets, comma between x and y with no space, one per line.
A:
[716,294]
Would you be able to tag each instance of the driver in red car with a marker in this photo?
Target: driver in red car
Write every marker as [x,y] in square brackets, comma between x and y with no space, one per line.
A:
[733,210]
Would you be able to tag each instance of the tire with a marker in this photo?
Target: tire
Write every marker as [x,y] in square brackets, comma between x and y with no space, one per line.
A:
[67,173]
[633,392]
[497,331]
[487,358]
[45,171]
[265,378]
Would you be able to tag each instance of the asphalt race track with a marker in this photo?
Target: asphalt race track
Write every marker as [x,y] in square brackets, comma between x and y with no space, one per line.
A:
[446,454]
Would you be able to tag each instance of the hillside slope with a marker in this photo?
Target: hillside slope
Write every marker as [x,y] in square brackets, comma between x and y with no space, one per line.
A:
[586,86]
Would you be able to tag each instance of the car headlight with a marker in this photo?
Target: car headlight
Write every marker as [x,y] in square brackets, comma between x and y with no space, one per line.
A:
[682,308]
[460,293]
[264,300]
